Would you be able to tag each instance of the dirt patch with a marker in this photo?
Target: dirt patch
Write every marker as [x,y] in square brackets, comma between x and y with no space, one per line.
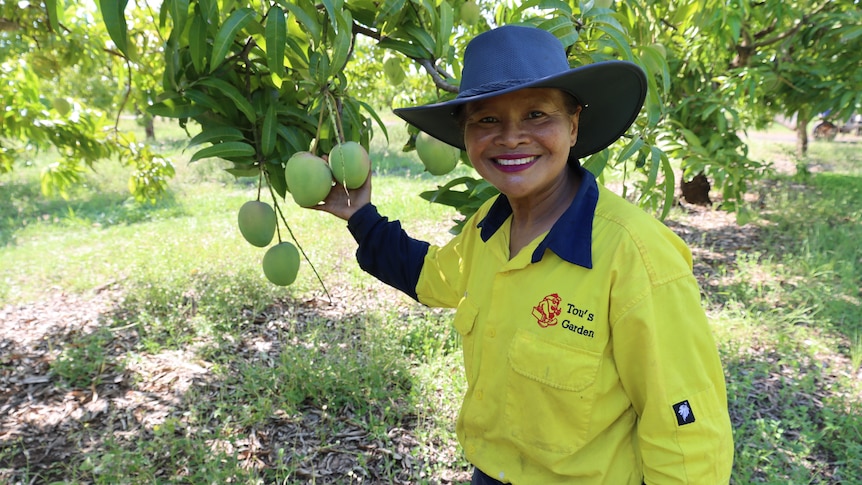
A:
[45,423]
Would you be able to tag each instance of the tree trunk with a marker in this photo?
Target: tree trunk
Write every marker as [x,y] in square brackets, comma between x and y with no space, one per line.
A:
[149,128]
[801,135]
[696,190]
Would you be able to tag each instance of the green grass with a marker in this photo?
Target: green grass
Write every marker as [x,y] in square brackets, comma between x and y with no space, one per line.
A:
[788,315]
[786,312]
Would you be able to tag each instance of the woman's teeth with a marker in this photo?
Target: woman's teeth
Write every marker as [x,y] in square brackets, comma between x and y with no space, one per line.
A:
[515,161]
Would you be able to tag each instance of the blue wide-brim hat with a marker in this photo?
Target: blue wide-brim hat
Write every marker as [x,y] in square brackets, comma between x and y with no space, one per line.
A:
[513,57]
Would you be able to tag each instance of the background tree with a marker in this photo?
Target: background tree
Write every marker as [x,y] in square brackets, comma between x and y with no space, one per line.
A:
[265,80]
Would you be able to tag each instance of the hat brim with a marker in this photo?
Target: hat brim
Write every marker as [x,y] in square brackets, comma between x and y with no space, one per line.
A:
[612,93]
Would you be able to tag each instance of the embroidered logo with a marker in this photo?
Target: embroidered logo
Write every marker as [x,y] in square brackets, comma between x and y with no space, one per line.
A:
[547,311]
[684,413]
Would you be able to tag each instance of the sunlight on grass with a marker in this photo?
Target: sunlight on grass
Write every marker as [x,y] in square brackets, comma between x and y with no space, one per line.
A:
[787,319]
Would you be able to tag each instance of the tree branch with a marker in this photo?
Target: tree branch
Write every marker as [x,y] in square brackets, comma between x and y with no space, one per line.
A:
[802,21]
[8,25]
[361,29]
[763,33]
[435,73]
[438,79]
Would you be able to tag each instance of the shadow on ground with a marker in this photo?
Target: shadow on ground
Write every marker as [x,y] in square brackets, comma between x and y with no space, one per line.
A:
[23,204]
[256,406]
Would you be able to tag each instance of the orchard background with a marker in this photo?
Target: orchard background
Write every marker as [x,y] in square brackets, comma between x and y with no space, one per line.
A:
[257,82]
[140,341]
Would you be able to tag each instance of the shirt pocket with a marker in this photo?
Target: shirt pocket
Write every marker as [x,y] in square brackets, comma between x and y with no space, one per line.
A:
[550,395]
[465,320]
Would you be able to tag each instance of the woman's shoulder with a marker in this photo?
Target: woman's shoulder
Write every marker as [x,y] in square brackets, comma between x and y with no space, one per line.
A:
[614,209]
[617,219]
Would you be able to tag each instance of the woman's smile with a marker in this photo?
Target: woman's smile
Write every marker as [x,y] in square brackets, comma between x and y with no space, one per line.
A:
[520,141]
[515,162]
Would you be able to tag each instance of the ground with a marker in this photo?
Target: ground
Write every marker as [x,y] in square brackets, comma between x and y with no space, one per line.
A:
[55,423]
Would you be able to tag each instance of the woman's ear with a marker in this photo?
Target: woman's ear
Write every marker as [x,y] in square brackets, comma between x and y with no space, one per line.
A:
[576,118]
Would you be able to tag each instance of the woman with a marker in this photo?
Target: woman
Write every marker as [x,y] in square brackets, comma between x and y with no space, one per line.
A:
[587,353]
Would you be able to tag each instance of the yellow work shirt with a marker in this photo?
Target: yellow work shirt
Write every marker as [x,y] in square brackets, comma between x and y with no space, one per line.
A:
[588,355]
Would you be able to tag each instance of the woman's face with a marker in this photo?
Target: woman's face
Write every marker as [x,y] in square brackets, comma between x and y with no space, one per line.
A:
[520,141]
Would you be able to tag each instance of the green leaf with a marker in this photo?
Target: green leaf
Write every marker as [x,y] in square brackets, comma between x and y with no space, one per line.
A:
[201,98]
[216,135]
[172,66]
[619,39]
[597,162]
[631,148]
[227,34]
[390,10]
[276,36]
[113,14]
[562,7]
[653,106]
[228,149]
[851,33]
[332,8]
[655,163]
[233,93]
[313,28]
[54,14]
[163,13]
[367,107]
[298,56]
[198,43]
[173,108]
[243,170]
[277,181]
[301,116]
[209,10]
[444,29]
[655,62]
[180,15]
[691,138]
[421,38]
[343,38]
[669,185]
[405,48]
[269,131]
[294,138]
[562,28]
[319,67]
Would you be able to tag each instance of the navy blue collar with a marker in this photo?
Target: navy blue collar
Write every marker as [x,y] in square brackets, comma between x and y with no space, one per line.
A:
[570,237]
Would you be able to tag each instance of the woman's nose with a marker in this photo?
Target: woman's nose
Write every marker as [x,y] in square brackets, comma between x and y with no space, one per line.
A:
[511,134]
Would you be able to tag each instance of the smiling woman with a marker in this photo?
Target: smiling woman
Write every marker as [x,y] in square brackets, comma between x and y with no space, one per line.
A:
[566,295]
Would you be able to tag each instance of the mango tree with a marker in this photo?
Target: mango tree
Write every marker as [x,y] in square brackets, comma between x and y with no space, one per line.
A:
[61,89]
[739,64]
[265,81]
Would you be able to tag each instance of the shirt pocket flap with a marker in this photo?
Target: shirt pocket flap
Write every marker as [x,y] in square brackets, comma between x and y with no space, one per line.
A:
[465,316]
[553,364]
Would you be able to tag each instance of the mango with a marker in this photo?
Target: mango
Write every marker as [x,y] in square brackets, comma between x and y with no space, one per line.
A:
[308,177]
[470,12]
[350,164]
[393,71]
[257,222]
[438,157]
[281,263]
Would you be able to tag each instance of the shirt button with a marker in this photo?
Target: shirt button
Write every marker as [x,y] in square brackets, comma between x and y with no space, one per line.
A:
[480,395]
[492,332]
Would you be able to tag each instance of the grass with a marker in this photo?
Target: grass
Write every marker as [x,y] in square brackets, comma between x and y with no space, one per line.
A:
[285,370]
[787,318]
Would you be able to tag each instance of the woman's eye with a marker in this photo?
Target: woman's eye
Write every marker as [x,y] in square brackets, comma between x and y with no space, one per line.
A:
[487,119]
[535,114]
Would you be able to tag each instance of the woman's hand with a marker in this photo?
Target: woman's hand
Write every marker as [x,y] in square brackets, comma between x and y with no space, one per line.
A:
[343,202]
